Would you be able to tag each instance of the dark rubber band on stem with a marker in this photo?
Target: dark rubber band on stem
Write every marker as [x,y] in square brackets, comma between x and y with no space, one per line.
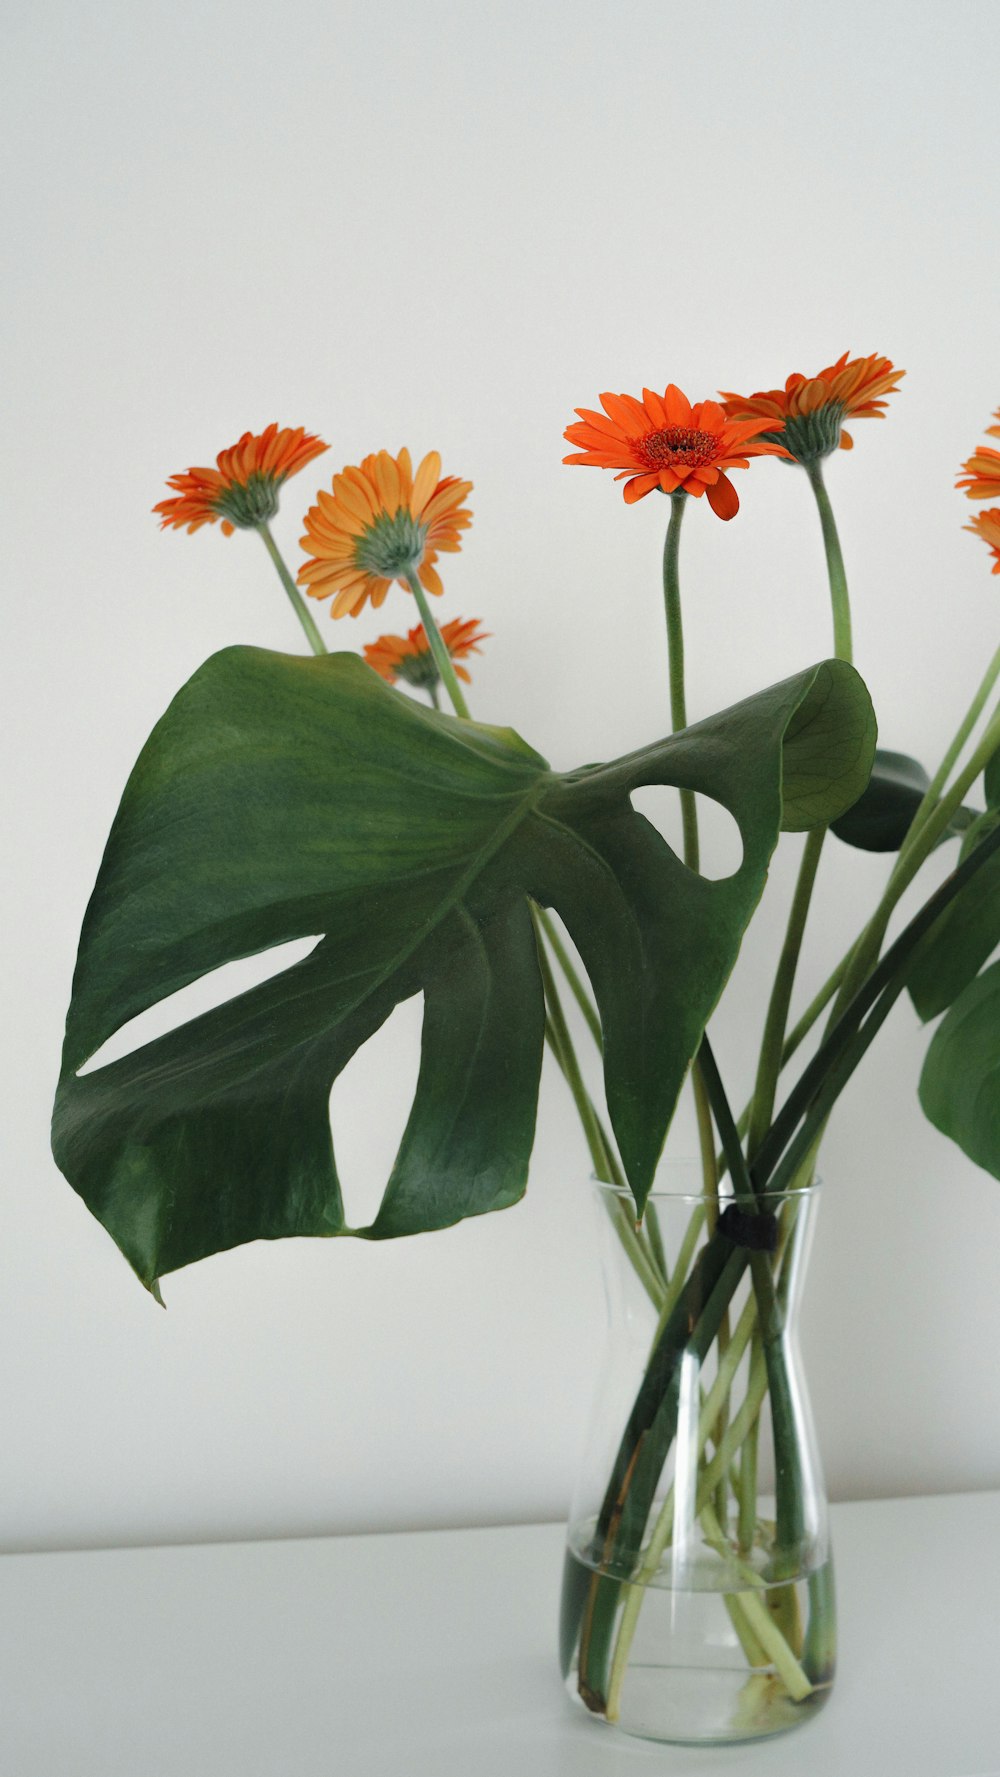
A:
[757,1230]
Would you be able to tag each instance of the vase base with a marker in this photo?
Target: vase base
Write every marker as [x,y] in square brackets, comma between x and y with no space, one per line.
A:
[690,1708]
[690,1667]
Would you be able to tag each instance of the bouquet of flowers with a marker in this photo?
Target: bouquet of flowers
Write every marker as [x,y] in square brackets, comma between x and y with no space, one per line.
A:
[285,796]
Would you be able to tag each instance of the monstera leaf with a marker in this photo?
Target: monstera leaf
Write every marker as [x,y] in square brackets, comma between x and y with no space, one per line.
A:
[960,1081]
[965,937]
[880,819]
[281,797]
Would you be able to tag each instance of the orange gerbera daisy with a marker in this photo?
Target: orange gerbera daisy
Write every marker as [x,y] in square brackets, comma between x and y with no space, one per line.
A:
[382,523]
[664,442]
[409,657]
[987,525]
[808,413]
[243,490]
[981,474]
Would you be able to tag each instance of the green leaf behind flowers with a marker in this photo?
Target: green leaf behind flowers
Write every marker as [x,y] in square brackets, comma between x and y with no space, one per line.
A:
[880,819]
[960,1081]
[281,797]
[965,937]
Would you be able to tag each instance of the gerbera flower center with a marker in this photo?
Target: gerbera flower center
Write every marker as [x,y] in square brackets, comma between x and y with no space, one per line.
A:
[678,444]
[391,545]
[250,503]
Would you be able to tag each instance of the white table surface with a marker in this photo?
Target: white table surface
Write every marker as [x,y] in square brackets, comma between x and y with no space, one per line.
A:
[431,1654]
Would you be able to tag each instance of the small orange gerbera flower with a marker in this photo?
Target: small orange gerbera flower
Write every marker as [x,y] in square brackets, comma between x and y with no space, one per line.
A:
[808,413]
[987,525]
[981,473]
[382,523]
[663,442]
[242,491]
[409,657]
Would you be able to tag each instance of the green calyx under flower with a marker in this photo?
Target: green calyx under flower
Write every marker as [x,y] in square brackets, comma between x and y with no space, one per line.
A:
[249,504]
[418,670]
[391,546]
[811,436]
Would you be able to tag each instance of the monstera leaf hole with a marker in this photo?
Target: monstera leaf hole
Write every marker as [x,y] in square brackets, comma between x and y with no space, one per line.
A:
[718,833]
[211,990]
[369,1107]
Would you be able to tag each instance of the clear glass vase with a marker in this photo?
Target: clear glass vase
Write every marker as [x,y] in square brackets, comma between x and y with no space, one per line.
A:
[698,1602]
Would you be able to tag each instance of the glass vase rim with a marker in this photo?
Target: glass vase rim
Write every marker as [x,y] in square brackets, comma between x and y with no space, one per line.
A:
[663,1193]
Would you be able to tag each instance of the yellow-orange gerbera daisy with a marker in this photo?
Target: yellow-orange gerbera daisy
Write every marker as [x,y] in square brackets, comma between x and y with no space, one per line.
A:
[243,490]
[381,523]
[663,442]
[409,657]
[987,525]
[981,473]
[812,409]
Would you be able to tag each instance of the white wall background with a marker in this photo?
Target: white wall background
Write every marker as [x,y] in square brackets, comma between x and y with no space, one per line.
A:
[448,225]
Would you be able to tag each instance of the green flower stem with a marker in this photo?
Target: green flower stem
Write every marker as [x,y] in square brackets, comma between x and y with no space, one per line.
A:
[834,564]
[606,1167]
[689,813]
[818,1005]
[298,604]
[813,1011]
[576,986]
[773,1042]
[651,1428]
[645,1263]
[815,1092]
[760,1620]
[691,853]
[602,1157]
[776,1022]
[715,1401]
[442,659]
[675,650]
[742,1426]
[709,1426]
[865,952]
[836,979]
[954,751]
[771,1318]
[685,1254]
[749,1442]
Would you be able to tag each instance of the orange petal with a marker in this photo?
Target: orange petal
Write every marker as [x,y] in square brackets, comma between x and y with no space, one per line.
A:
[676,406]
[723,498]
[638,487]
[618,409]
[387,481]
[425,481]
